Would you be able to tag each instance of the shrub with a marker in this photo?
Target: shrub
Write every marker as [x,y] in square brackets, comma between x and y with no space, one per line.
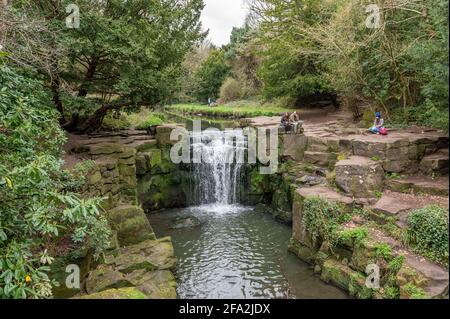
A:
[355,235]
[151,121]
[230,90]
[115,122]
[37,207]
[427,233]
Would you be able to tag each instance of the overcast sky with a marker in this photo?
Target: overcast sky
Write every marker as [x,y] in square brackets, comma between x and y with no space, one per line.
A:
[220,16]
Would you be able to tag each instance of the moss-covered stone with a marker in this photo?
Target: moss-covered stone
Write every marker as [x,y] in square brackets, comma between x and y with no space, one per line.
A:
[148,255]
[131,225]
[303,252]
[104,278]
[159,284]
[122,293]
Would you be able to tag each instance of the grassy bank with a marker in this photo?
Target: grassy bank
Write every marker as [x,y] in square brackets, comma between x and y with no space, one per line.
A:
[238,109]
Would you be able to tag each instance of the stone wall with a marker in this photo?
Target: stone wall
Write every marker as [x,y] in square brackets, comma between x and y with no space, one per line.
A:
[344,262]
[137,265]
[161,183]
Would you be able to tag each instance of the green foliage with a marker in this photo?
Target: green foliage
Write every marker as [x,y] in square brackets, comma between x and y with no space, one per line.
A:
[414,292]
[321,219]
[383,250]
[427,232]
[391,292]
[290,68]
[230,90]
[395,264]
[37,207]
[354,235]
[149,122]
[211,75]
[400,68]
[115,122]
[237,109]
[123,53]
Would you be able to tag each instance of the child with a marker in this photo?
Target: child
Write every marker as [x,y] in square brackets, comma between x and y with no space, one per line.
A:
[377,124]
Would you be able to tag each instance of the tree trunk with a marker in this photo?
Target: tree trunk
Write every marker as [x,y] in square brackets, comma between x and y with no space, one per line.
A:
[55,84]
[94,122]
[92,68]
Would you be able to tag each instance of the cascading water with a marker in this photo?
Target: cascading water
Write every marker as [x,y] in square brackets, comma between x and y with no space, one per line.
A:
[216,179]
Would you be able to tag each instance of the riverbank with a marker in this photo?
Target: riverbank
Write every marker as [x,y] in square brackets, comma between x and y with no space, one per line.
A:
[234,110]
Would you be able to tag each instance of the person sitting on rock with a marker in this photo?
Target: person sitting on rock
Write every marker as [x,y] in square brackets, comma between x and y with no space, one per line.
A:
[377,124]
[294,119]
[285,123]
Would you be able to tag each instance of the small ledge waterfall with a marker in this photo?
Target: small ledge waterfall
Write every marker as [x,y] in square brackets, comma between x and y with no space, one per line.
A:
[216,180]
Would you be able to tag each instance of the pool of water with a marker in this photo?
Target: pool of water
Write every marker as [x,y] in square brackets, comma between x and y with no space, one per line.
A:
[237,253]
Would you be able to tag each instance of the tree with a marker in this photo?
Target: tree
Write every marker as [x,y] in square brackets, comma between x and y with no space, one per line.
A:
[125,53]
[211,75]
[286,70]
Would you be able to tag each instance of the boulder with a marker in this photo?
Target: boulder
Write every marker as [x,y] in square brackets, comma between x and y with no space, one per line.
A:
[104,278]
[148,255]
[186,222]
[106,149]
[163,134]
[159,284]
[342,276]
[359,176]
[131,224]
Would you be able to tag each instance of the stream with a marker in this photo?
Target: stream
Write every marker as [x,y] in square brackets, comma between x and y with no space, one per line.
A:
[234,252]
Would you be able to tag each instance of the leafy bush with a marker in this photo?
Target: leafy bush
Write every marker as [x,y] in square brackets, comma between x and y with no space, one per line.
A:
[427,232]
[115,121]
[151,121]
[37,207]
[230,90]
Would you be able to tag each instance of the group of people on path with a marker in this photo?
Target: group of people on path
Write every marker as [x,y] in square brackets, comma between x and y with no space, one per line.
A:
[290,122]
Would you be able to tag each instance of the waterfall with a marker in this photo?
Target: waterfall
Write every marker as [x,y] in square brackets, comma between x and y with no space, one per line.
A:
[216,180]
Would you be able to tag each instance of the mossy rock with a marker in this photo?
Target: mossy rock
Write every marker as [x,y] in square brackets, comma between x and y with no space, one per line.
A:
[80,257]
[122,293]
[159,284]
[357,287]
[104,278]
[282,216]
[135,230]
[336,273]
[162,191]
[106,149]
[148,255]
[131,225]
[303,252]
